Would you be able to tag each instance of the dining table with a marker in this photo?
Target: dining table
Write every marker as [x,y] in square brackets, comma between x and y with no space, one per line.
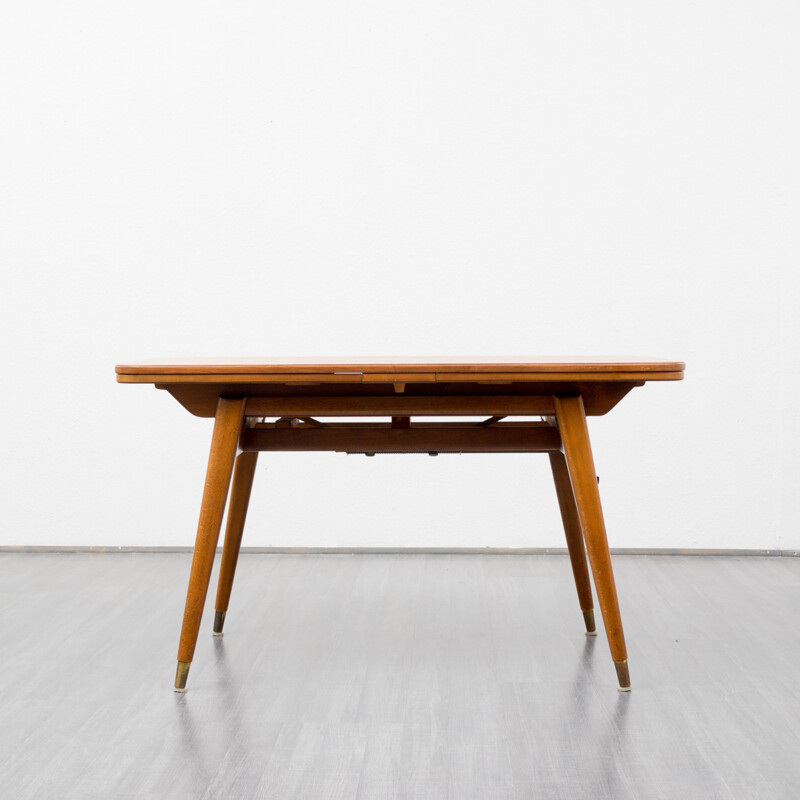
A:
[380,405]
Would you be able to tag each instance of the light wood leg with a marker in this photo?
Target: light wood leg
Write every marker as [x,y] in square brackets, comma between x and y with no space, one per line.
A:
[574,535]
[243,473]
[571,420]
[224,441]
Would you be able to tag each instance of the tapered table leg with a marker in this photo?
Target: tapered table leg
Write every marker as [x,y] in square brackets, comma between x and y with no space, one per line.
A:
[224,441]
[243,473]
[574,535]
[571,420]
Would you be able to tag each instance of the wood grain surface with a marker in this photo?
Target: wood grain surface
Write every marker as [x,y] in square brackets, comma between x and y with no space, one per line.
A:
[408,370]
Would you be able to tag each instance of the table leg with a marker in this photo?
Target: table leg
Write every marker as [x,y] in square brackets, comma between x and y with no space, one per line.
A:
[574,535]
[571,420]
[243,473]
[224,441]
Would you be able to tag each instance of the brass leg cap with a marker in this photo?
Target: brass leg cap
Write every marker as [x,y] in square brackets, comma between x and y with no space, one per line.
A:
[219,621]
[623,676]
[588,618]
[181,675]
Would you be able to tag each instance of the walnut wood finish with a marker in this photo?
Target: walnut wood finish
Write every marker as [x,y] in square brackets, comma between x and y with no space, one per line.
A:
[577,449]
[240,393]
[574,536]
[243,473]
[224,439]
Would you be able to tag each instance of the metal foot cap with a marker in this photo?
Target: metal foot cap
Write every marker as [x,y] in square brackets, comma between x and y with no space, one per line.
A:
[181,675]
[588,618]
[219,622]
[623,676]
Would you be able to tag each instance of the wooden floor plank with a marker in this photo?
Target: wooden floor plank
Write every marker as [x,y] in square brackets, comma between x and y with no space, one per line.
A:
[399,676]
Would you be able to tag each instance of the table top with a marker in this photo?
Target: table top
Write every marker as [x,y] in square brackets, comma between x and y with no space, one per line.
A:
[197,383]
[190,370]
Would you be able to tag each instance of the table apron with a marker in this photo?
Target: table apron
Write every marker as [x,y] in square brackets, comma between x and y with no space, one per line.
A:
[400,405]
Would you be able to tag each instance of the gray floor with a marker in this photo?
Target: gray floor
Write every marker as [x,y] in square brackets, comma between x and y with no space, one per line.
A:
[399,676]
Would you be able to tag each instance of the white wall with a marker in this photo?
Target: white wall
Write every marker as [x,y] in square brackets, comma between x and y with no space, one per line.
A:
[350,178]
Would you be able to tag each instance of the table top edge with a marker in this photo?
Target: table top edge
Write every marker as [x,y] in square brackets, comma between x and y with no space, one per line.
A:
[231,367]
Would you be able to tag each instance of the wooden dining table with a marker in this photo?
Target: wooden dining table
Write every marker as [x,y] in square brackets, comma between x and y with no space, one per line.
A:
[369,406]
